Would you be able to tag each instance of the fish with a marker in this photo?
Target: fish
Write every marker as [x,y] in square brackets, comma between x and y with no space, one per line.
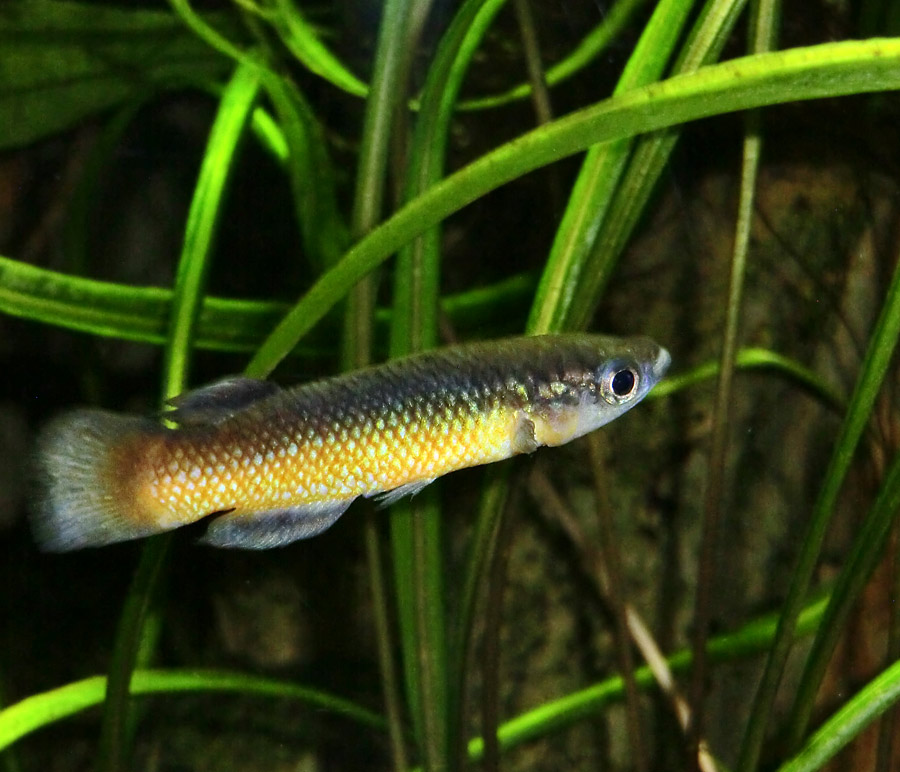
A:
[263,466]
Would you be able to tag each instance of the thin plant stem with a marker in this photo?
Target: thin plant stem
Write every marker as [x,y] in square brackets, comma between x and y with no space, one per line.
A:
[615,598]
[483,547]
[115,727]
[764,14]
[540,94]
[548,499]
[429,620]
[384,638]
[714,496]
[490,669]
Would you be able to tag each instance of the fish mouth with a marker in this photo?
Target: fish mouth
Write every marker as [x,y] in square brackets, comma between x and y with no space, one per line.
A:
[663,360]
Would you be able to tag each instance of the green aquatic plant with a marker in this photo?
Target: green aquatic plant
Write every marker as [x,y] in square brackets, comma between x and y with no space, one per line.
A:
[266,65]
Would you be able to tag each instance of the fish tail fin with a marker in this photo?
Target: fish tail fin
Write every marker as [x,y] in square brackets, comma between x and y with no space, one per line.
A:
[82,462]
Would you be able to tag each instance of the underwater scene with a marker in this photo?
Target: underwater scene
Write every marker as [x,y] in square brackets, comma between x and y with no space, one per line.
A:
[437,386]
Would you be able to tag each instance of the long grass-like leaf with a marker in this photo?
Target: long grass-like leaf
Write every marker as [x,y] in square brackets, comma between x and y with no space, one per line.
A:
[417,551]
[622,213]
[558,714]
[207,33]
[854,716]
[416,525]
[325,234]
[398,36]
[416,298]
[881,346]
[141,314]
[41,710]
[131,630]
[599,177]
[801,73]
[416,294]
[301,39]
[482,545]
[755,359]
[205,210]
[65,62]
[574,240]
[862,561]
[231,119]
[9,759]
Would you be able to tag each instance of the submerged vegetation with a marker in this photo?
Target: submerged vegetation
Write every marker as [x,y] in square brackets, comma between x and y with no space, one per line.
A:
[291,190]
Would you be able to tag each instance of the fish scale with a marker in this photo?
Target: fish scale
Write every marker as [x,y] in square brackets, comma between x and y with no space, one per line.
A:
[346,454]
[267,466]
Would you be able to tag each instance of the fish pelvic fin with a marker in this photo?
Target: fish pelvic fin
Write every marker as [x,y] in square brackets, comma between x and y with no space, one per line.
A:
[386,498]
[83,476]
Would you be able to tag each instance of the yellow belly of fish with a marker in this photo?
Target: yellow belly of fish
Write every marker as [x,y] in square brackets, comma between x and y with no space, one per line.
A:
[184,481]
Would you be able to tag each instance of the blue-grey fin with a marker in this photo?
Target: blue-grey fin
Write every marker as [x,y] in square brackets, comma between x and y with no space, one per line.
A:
[217,401]
[273,527]
[386,498]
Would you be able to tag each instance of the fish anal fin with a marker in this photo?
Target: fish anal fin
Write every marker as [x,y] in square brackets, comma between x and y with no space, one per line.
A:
[386,498]
[217,401]
[273,527]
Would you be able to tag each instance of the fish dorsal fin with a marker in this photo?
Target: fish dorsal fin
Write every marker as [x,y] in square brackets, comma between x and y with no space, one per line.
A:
[273,527]
[217,401]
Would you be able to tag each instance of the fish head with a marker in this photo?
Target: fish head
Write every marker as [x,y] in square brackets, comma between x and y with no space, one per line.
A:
[627,370]
[605,378]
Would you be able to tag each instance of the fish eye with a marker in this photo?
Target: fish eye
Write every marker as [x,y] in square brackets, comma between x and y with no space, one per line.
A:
[623,383]
[619,384]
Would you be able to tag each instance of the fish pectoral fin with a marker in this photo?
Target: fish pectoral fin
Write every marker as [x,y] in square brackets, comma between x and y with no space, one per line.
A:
[524,440]
[556,426]
[212,403]
[273,527]
[386,498]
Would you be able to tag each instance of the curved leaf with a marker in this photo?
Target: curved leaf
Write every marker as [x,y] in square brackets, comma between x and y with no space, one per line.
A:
[141,314]
[40,710]
[65,61]
[854,716]
[801,73]
[302,41]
